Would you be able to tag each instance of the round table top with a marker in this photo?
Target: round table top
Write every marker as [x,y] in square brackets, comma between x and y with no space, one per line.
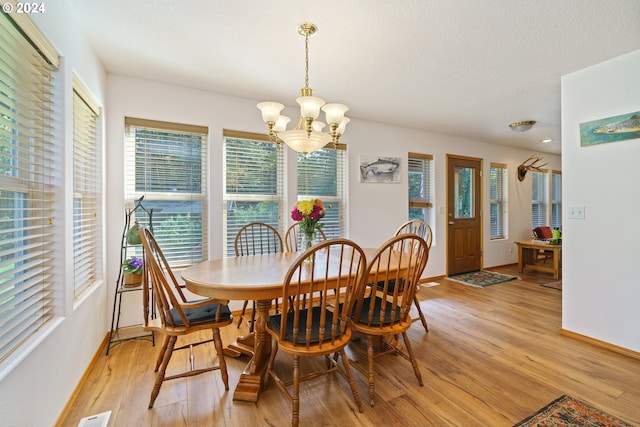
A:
[256,277]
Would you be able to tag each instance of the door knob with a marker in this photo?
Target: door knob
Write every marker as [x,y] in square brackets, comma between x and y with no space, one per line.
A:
[450,222]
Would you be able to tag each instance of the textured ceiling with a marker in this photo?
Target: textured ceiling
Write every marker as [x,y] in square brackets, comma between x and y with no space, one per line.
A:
[460,67]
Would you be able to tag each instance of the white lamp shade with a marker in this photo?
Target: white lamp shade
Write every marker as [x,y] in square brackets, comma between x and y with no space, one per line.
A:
[335,112]
[317,126]
[270,111]
[299,141]
[310,106]
[342,125]
[281,124]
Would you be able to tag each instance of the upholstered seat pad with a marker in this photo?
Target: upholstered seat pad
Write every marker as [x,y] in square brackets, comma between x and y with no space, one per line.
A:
[377,308]
[302,322]
[202,314]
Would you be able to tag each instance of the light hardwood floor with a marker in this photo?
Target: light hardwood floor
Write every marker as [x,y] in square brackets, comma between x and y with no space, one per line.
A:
[492,357]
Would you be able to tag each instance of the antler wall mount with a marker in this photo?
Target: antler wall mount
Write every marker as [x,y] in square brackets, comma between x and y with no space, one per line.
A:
[531,164]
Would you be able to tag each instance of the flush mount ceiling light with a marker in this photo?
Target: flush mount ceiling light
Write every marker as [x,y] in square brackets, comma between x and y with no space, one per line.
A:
[522,126]
[307,136]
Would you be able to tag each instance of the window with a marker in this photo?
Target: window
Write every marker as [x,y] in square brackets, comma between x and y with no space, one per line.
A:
[539,199]
[421,187]
[253,182]
[86,188]
[321,175]
[166,164]
[28,252]
[556,199]
[498,187]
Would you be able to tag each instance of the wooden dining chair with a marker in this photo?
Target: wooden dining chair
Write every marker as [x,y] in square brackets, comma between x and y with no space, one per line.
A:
[294,239]
[384,300]
[331,271]
[423,230]
[175,316]
[256,238]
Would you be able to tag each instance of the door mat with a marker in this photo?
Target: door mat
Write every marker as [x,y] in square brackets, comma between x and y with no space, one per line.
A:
[553,285]
[481,278]
[566,411]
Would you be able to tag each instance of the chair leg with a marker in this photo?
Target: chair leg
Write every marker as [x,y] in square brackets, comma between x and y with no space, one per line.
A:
[412,358]
[163,349]
[352,381]
[272,358]
[295,401]
[422,318]
[253,317]
[244,310]
[217,341]
[170,343]
[370,357]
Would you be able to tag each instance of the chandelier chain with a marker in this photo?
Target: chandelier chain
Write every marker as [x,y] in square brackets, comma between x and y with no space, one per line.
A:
[306,59]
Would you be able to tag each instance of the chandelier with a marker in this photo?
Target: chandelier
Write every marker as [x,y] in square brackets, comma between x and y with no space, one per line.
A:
[307,135]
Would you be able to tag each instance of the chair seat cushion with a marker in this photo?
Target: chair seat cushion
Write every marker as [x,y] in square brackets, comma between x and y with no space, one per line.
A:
[377,308]
[302,322]
[203,314]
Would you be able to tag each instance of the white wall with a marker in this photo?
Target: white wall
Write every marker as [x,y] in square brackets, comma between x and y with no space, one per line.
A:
[37,381]
[600,287]
[375,210]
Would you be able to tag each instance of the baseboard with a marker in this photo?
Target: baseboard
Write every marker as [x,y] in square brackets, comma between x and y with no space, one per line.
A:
[602,344]
[101,350]
[430,279]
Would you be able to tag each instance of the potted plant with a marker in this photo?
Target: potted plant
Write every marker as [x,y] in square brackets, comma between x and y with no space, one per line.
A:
[132,269]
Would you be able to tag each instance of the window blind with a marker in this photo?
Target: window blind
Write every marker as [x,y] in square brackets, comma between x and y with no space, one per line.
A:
[321,175]
[421,186]
[87,167]
[538,199]
[27,165]
[166,164]
[556,199]
[498,187]
[253,182]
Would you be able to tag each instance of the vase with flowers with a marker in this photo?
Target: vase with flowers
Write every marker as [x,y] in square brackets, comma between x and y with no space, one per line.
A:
[132,269]
[308,213]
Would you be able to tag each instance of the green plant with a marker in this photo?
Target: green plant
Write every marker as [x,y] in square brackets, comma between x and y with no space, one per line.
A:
[132,265]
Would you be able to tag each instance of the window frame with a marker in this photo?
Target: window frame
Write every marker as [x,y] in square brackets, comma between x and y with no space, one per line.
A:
[275,192]
[87,188]
[183,142]
[335,220]
[30,165]
[425,163]
[500,215]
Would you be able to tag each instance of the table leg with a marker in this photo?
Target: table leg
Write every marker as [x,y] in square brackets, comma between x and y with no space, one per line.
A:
[520,260]
[556,264]
[253,375]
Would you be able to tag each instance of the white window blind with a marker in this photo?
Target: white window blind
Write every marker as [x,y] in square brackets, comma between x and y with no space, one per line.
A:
[166,164]
[498,187]
[27,165]
[253,183]
[556,199]
[87,172]
[321,175]
[539,199]
[421,186]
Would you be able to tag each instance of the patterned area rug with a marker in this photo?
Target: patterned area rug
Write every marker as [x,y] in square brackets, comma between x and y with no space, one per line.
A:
[566,411]
[553,285]
[481,278]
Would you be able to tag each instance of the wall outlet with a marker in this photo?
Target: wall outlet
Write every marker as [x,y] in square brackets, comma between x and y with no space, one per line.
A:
[576,212]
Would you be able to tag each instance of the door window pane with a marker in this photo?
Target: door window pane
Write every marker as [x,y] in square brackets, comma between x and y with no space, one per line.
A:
[463,192]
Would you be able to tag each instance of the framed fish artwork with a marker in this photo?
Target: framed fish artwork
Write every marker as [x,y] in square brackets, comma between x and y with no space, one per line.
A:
[617,128]
[380,169]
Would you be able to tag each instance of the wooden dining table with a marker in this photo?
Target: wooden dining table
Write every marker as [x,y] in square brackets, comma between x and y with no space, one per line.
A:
[259,278]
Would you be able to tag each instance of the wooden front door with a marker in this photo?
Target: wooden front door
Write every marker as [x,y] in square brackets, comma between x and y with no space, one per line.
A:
[464,231]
